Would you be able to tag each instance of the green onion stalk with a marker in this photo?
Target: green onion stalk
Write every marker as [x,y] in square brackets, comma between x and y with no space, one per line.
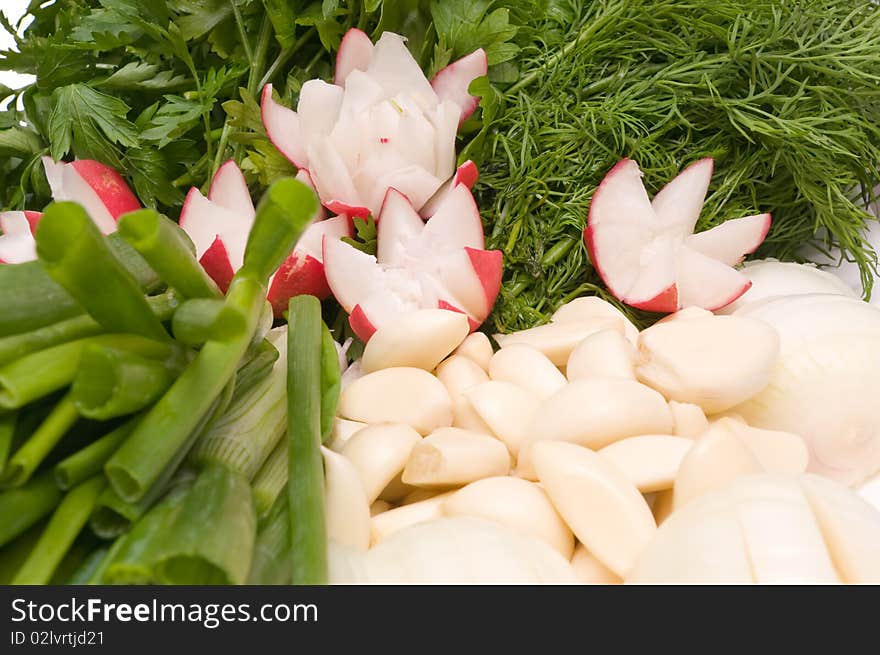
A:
[18,345]
[205,319]
[211,540]
[77,256]
[305,488]
[331,382]
[32,300]
[271,565]
[66,523]
[14,554]
[112,383]
[90,460]
[284,212]
[270,480]
[245,435]
[21,507]
[39,374]
[7,435]
[169,251]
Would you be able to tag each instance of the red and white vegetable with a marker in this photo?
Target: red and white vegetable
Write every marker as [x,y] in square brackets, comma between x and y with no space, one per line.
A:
[646,251]
[438,264]
[219,226]
[17,243]
[380,125]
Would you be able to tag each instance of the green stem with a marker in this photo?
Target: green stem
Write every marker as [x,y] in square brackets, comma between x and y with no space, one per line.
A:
[7,434]
[57,538]
[90,460]
[331,380]
[112,383]
[211,540]
[204,319]
[271,565]
[18,345]
[27,458]
[270,480]
[23,506]
[169,251]
[242,33]
[305,488]
[76,255]
[88,568]
[284,56]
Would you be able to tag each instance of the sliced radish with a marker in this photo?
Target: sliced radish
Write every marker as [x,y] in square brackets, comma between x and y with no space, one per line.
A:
[97,187]
[355,53]
[646,253]
[17,243]
[219,226]
[452,82]
[438,264]
[283,128]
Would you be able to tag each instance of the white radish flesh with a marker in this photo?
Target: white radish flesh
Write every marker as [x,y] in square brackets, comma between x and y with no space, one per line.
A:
[557,340]
[476,347]
[379,453]
[520,505]
[526,367]
[595,413]
[387,523]
[650,462]
[689,420]
[346,509]
[603,509]
[590,570]
[451,457]
[506,409]
[588,308]
[716,459]
[605,354]
[398,395]
[420,339]
[715,362]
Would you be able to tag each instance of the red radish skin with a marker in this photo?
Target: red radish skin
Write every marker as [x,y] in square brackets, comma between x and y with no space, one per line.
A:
[355,53]
[108,185]
[361,324]
[339,207]
[467,174]
[666,302]
[33,219]
[298,275]
[215,261]
[487,265]
[451,82]
[472,323]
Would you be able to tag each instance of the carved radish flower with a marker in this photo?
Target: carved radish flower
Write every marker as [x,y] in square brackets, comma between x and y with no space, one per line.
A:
[380,125]
[219,226]
[101,191]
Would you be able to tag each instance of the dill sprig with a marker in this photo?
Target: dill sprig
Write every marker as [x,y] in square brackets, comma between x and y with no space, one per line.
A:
[785,95]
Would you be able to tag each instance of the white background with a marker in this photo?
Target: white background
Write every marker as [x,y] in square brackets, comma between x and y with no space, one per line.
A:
[15,8]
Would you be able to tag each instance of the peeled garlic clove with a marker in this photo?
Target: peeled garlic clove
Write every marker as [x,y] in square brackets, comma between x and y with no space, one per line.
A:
[398,395]
[506,408]
[589,570]
[773,511]
[715,362]
[379,453]
[398,518]
[850,527]
[379,506]
[716,458]
[341,432]
[460,374]
[650,462]
[418,494]
[526,367]
[477,348]
[686,314]
[590,308]
[605,354]
[595,413]
[346,509]
[520,505]
[777,452]
[688,420]
[451,457]
[603,509]
[557,340]
[420,339]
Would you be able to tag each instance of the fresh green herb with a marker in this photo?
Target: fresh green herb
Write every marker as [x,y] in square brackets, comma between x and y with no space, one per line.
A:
[783,95]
